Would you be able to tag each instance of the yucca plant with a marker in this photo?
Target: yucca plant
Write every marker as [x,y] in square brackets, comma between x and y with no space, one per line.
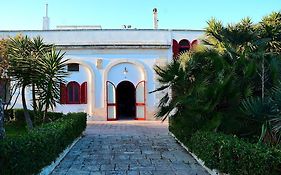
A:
[21,68]
[36,64]
[51,71]
[37,50]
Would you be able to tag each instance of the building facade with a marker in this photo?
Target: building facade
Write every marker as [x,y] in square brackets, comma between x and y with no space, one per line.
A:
[111,71]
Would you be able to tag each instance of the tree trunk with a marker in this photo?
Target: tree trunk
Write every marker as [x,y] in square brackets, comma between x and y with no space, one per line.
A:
[26,114]
[34,98]
[45,114]
[2,129]
[262,79]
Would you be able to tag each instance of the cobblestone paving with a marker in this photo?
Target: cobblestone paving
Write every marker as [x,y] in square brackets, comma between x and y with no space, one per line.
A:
[128,148]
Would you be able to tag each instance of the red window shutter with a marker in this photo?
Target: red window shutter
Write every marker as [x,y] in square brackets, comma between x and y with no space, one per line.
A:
[83,97]
[176,48]
[63,93]
[194,43]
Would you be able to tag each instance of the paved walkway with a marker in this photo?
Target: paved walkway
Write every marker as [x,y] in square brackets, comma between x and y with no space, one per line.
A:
[128,148]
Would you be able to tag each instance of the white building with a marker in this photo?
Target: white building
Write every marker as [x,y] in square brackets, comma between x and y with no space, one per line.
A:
[111,70]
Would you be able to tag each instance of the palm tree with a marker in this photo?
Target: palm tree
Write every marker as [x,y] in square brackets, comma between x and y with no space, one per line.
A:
[38,49]
[205,89]
[208,85]
[51,71]
[22,68]
[265,109]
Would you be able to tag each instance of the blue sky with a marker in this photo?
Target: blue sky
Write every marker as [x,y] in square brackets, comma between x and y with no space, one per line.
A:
[173,14]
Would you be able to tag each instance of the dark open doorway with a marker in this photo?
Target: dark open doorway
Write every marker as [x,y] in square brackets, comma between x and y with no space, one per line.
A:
[126,100]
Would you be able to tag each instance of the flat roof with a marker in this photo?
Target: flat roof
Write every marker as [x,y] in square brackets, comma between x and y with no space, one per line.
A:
[184,30]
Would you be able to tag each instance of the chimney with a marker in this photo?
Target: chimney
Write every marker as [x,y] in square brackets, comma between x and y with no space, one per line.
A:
[155,18]
[46,20]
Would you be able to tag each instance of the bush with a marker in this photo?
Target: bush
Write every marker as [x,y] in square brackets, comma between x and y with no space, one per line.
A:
[232,155]
[9,115]
[183,127]
[29,153]
[18,115]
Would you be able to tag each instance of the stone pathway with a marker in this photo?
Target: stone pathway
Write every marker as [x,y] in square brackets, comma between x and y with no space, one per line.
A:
[128,148]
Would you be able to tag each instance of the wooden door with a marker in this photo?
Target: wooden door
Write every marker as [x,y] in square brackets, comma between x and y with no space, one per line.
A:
[111,101]
[140,101]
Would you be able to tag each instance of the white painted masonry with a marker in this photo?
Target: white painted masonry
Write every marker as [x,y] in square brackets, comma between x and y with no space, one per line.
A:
[103,54]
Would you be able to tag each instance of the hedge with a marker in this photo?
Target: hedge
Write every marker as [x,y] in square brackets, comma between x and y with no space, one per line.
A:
[232,155]
[29,153]
[18,116]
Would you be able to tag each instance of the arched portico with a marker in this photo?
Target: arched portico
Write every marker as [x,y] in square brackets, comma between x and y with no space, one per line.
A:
[125,70]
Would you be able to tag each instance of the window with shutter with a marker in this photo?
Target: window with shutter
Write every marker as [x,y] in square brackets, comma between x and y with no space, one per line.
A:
[73,93]
[175,48]
[83,93]
[184,45]
[63,93]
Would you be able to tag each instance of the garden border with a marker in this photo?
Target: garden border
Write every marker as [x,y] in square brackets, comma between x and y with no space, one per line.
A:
[50,168]
[201,162]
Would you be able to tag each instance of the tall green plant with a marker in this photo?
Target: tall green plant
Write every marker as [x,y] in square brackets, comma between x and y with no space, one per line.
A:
[22,68]
[51,71]
[209,84]
[38,49]
[265,108]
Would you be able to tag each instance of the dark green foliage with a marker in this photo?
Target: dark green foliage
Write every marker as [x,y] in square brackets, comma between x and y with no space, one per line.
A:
[17,115]
[9,115]
[230,85]
[210,82]
[232,155]
[206,92]
[40,66]
[31,152]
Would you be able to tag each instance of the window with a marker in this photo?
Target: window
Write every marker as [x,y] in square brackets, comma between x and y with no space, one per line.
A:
[73,67]
[184,45]
[73,93]
[175,48]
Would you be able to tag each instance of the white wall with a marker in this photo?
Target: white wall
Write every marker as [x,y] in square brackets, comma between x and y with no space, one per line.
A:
[138,60]
[82,76]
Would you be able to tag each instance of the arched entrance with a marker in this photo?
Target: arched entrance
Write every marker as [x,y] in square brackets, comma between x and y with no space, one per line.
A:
[126,100]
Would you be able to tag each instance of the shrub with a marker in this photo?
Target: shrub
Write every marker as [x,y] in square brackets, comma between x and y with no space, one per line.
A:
[18,115]
[31,152]
[232,155]
[9,115]
[181,128]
